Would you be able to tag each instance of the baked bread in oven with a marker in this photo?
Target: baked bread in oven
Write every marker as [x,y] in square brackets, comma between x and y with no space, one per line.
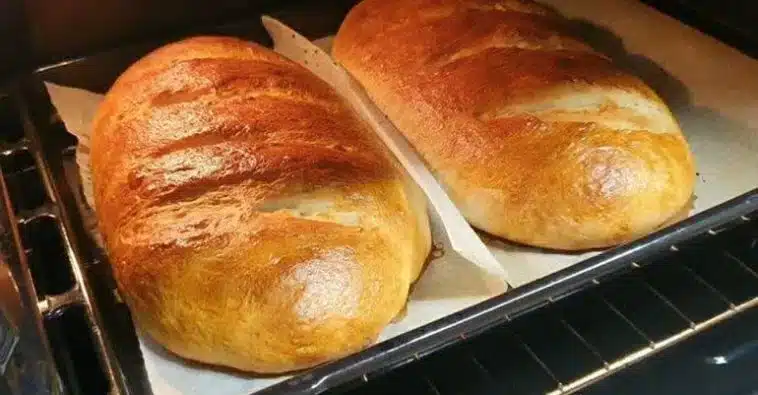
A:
[251,217]
[537,137]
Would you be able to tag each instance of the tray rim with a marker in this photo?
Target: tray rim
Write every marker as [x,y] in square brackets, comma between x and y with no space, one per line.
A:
[447,331]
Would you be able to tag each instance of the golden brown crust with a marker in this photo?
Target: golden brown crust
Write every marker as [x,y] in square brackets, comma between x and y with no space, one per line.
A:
[251,218]
[538,138]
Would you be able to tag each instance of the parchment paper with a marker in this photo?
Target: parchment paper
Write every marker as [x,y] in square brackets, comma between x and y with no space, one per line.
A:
[449,284]
[460,237]
[711,88]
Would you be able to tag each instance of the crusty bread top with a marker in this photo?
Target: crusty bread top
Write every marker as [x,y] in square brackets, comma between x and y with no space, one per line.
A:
[538,137]
[217,112]
[252,219]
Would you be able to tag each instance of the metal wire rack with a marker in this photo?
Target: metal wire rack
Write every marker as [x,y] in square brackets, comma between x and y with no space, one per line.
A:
[86,358]
[572,342]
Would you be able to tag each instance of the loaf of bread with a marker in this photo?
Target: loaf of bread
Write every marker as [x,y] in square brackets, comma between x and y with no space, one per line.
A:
[251,217]
[537,137]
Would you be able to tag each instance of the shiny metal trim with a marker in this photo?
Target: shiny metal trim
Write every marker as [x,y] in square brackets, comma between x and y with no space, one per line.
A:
[38,353]
[652,349]
[82,291]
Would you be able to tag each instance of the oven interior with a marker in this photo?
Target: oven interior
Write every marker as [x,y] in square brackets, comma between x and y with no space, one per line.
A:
[576,341]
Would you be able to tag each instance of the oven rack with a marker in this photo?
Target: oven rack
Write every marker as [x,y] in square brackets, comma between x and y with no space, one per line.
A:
[575,341]
[73,288]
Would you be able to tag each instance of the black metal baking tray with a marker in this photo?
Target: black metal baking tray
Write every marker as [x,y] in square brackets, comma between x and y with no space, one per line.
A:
[75,289]
[610,337]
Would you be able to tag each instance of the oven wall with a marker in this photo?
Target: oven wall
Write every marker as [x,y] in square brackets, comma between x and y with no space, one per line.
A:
[13,46]
[63,29]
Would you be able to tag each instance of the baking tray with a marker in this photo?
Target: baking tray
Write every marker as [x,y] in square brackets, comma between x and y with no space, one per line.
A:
[52,153]
[612,337]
